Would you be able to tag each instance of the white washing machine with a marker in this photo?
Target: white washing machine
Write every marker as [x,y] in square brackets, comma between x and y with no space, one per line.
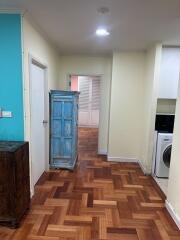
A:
[163,154]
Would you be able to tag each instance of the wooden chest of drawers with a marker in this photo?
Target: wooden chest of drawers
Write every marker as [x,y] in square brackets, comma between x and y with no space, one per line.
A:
[14,182]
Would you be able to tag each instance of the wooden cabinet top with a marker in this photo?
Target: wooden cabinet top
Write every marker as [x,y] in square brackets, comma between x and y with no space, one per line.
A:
[10,146]
[64,93]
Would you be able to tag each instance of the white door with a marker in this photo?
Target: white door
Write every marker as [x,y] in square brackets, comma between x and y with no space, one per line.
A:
[89,99]
[38,125]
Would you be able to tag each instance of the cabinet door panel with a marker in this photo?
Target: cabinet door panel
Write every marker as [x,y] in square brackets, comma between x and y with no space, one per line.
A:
[14,182]
[57,128]
[63,129]
[67,147]
[6,186]
[57,109]
[56,148]
[68,109]
[68,128]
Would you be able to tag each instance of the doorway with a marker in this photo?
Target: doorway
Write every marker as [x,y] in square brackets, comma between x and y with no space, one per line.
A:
[38,119]
[89,99]
[89,87]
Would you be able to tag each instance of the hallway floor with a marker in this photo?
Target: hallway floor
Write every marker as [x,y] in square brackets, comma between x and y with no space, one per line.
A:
[163,184]
[98,201]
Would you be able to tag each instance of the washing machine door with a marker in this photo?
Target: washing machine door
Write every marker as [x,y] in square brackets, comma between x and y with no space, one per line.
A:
[167,155]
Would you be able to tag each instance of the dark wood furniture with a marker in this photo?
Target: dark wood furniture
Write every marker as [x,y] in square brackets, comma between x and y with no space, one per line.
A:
[14,182]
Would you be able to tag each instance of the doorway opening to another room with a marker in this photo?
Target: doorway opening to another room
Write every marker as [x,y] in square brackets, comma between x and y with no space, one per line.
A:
[89,99]
[89,109]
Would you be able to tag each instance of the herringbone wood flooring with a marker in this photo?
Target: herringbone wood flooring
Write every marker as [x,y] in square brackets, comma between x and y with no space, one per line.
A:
[99,200]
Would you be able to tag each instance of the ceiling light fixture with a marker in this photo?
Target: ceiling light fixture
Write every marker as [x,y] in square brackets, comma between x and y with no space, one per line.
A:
[102,32]
[103,10]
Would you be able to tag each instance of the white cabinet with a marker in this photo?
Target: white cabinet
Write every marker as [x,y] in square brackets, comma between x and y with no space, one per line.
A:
[169,73]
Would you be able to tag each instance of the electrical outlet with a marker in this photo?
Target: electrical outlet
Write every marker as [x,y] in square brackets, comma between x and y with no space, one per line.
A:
[6,114]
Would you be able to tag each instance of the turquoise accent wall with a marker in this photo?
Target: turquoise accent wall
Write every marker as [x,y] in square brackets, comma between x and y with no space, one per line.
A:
[11,80]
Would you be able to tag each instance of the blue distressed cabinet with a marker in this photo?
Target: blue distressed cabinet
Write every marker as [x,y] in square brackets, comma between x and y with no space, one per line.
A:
[63,129]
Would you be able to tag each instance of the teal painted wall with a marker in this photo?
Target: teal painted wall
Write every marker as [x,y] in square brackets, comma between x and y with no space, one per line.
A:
[11,81]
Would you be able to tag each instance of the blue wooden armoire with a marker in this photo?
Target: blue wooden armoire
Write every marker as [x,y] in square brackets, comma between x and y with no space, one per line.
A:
[63,129]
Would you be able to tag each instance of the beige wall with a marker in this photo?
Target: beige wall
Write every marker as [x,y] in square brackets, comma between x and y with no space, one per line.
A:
[173,195]
[83,65]
[150,89]
[126,107]
[134,87]
[36,45]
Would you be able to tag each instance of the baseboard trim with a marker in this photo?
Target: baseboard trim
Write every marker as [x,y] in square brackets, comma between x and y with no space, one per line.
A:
[90,126]
[102,152]
[128,160]
[31,193]
[171,211]
[142,167]
[122,159]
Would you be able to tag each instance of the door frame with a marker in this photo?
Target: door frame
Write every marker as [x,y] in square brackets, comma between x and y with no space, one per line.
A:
[68,79]
[34,60]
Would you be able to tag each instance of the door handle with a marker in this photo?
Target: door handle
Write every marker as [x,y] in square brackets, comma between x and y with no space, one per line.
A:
[45,121]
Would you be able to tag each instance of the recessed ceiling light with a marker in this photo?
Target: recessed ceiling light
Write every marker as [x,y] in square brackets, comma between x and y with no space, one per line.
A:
[103,10]
[102,32]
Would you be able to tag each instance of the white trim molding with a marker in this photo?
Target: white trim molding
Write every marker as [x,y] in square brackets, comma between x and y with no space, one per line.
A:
[32,192]
[129,160]
[102,152]
[143,168]
[122,159]
[12,10]
[173,214]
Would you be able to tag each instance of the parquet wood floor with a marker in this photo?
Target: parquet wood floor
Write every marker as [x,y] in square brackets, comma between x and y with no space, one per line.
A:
[100,200]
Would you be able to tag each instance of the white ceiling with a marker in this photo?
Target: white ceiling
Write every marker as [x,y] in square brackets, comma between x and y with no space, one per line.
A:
[133,24]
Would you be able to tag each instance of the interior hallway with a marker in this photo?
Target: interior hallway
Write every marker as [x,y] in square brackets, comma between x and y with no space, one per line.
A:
[87,143]
[99,200]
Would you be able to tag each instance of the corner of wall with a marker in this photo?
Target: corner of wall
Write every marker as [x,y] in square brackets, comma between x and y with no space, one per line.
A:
[173,214]
[146,169]
[153,59]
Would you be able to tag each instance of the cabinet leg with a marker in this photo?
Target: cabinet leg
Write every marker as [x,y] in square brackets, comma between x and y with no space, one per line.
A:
[14,224]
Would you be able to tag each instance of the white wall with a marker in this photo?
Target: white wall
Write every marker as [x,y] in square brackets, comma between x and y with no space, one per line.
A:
[150,86]
[126,107]
[84,65]
[169,73]
[173,195]
[35,44]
